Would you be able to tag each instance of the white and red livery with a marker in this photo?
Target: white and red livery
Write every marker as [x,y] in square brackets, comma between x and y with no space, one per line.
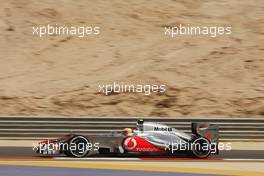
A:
[149,138]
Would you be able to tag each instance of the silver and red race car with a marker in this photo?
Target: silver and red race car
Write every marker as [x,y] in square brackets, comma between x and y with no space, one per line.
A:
[148,138]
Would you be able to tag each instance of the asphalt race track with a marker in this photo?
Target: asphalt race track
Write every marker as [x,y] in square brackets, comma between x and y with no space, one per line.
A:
[32,171]
[23,161]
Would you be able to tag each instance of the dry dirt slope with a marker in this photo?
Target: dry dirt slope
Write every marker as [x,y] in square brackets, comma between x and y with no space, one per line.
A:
[59,75]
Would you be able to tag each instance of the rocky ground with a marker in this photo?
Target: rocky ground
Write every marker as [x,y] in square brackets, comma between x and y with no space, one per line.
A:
[204,76]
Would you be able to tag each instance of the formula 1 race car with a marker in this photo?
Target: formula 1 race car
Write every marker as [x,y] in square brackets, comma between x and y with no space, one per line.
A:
[148,138]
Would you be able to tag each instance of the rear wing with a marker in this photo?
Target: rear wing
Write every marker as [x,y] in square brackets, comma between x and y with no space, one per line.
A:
[207,130]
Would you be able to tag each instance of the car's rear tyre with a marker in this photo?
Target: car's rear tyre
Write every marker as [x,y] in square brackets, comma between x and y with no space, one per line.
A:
[78,147]
[201,147]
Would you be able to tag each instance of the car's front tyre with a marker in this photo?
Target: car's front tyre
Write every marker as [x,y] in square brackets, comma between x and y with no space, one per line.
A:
[77,147]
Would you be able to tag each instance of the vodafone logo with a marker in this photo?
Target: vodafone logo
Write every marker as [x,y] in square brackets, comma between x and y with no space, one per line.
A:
[130,143]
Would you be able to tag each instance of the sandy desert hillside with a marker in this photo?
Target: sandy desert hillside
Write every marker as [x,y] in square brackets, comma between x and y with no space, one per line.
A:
[204,76]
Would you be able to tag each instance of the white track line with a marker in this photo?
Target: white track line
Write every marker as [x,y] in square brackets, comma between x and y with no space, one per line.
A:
[99,158]
[242,159]
[138,159]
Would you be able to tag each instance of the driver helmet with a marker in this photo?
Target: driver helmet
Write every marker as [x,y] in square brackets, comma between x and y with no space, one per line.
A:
[127,131]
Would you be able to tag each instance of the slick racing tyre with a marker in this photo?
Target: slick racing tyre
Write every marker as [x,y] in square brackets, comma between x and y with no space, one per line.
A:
[77,147]
[201,147]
